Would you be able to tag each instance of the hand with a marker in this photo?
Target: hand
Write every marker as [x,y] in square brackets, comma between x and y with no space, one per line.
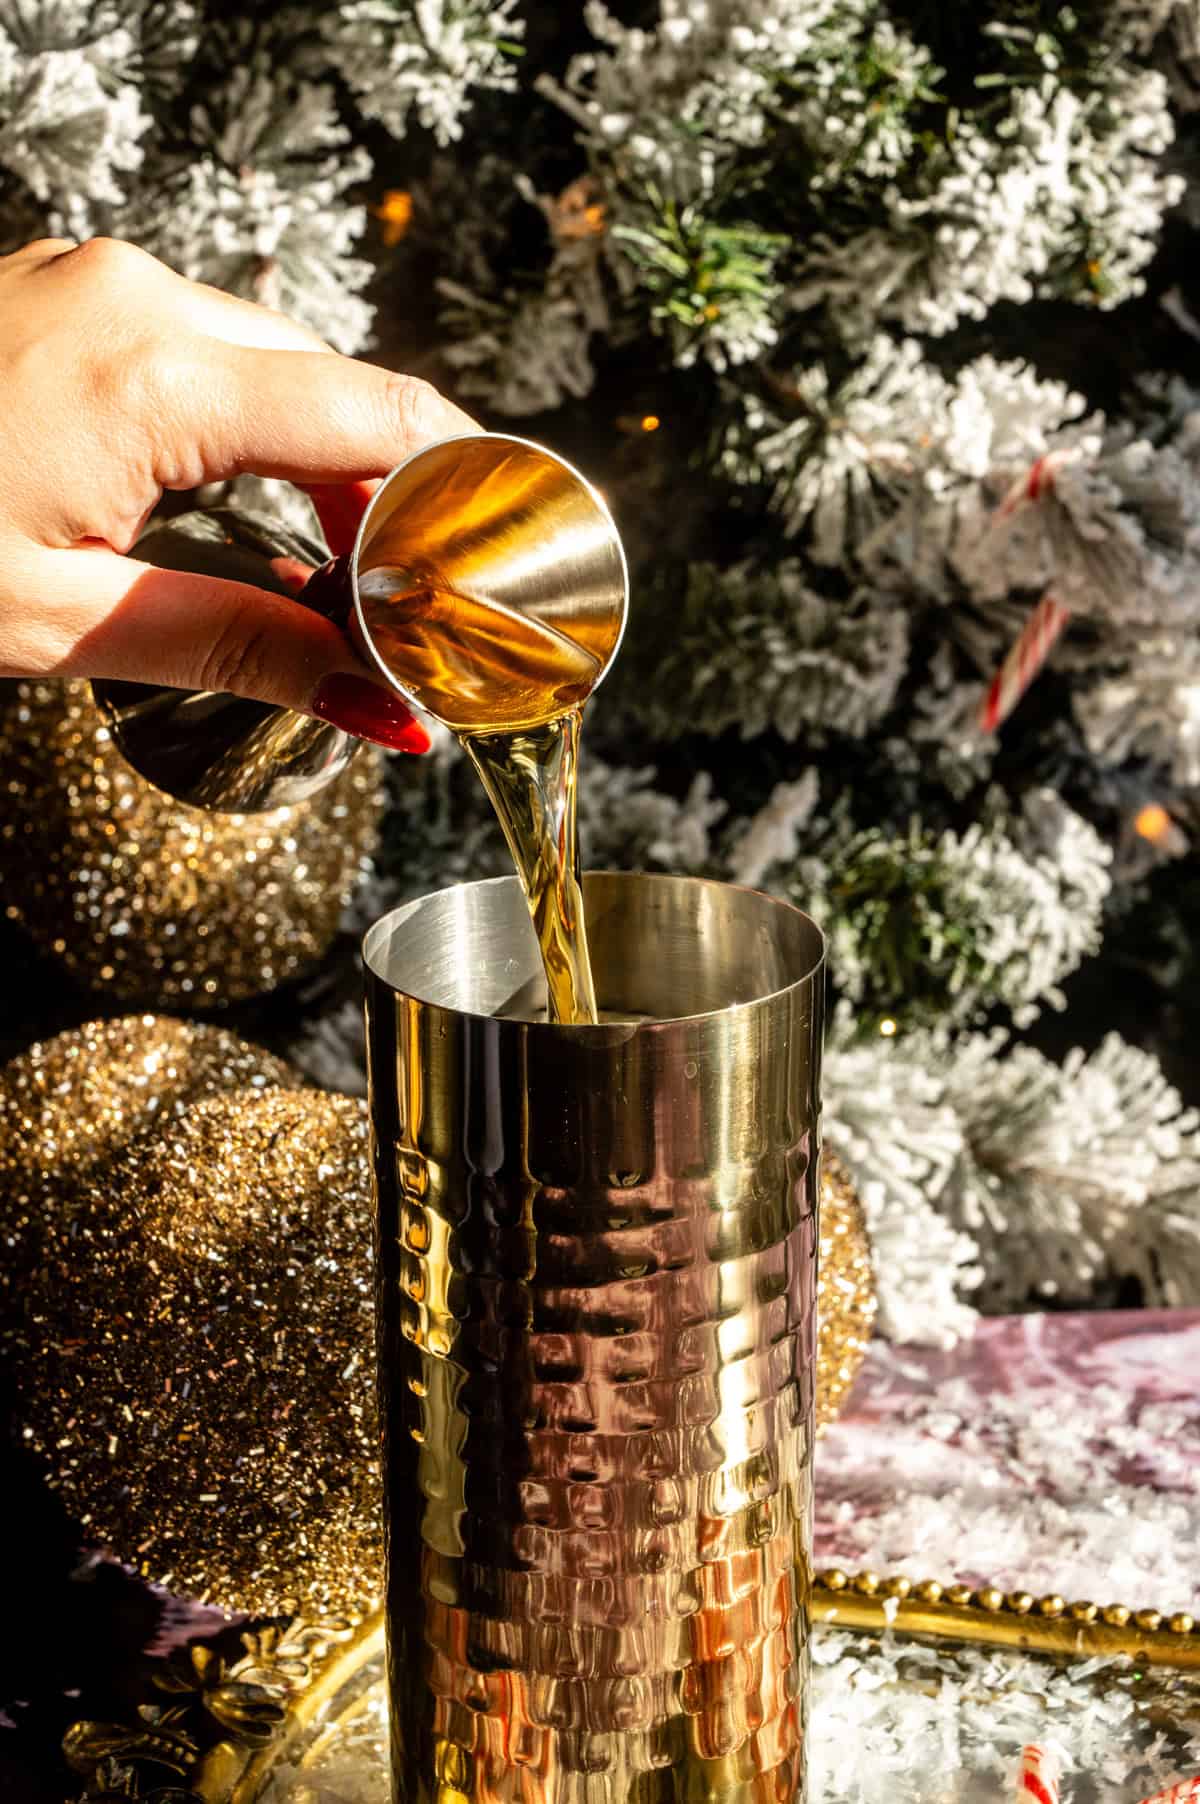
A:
[121,379]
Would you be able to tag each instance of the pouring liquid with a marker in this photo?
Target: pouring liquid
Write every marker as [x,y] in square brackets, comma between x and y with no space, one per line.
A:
[511,688]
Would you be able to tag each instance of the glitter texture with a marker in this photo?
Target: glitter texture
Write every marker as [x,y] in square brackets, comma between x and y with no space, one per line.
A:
[68,1105]
[151,901]
[190,1327]
[185,1308]
[845,1289]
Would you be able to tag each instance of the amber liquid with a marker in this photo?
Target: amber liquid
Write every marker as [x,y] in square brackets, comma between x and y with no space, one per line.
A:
[531,778]
[512,690]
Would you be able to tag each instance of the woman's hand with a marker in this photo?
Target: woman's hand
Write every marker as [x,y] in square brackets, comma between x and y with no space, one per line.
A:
[121,379]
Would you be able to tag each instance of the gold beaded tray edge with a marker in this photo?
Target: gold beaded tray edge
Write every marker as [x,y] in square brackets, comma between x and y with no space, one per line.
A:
[1017,1619]
[233,1723]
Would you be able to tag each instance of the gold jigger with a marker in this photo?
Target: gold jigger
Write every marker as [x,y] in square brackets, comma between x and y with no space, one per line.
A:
[489,583]
[487,579]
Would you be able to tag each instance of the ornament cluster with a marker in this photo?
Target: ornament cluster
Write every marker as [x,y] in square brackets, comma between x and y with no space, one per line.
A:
[187,1310]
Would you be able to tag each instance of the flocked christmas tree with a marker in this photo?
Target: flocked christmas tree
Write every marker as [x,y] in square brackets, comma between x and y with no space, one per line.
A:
[846,305]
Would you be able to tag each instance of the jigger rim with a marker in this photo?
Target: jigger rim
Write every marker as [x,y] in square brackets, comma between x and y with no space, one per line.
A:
[363,631]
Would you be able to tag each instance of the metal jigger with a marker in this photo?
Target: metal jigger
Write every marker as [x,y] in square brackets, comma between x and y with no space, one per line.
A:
[484,518]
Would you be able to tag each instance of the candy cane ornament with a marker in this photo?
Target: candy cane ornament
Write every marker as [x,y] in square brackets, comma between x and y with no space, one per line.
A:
[1041,1770]
[1181,1793]
[1045,625]
[1037,481]
[1036,641]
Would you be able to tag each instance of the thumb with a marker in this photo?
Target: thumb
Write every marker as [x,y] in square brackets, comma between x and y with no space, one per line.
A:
[117,617]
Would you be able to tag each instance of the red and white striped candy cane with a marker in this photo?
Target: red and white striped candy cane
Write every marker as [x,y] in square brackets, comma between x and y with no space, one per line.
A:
[1037,481]
[1034,645]
[1037,1781]
[1185,1790]
[1048,619]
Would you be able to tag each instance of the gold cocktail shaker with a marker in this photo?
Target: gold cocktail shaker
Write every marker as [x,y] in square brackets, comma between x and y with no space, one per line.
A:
[596,1277]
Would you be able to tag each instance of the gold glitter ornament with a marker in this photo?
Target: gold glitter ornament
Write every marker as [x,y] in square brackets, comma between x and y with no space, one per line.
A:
[148,900]
[846,1300]
[194,1354]
[185,1309]
[69,1105]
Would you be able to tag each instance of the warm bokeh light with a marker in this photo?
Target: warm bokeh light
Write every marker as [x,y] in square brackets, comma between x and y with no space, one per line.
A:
[1152,822]
[578,212]
[395,212]
[887,1027]
[650,422]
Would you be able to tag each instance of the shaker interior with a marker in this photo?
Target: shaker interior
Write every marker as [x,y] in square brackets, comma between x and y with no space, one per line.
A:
[662,948]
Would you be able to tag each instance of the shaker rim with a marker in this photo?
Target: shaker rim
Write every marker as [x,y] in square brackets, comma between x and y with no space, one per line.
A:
[602,1030]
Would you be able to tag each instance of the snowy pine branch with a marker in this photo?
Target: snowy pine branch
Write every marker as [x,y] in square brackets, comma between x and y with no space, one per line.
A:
[760,646]
[423,59]
[938,929]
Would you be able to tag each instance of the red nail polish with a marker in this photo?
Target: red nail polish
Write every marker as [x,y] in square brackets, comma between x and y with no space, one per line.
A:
[292,572]
[369,711]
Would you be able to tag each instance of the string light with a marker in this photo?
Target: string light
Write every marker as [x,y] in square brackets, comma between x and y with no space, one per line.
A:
[1156,826]
[650,422]
[887,1027]
[395,211]
[578,212]
[1152,822]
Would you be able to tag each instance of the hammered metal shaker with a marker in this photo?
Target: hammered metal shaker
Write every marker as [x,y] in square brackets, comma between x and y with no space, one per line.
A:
[596,1289]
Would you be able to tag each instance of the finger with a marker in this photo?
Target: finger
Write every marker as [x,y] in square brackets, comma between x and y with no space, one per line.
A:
[307,416]
[238,322]
[340,507]
[117,266]
[116,617]
[41,250]
[235,321]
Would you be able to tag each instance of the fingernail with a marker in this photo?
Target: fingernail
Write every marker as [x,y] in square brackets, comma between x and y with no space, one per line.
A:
[369,711]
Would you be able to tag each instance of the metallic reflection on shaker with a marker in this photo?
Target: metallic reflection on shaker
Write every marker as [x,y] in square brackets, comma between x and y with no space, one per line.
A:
[596,1285]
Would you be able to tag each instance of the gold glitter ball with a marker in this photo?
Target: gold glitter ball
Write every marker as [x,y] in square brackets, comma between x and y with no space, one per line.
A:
[191,1332]
[186,1309]
[69,1105]
[846,1299]
[151,901]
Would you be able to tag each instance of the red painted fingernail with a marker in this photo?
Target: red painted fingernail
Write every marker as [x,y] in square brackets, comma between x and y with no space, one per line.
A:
[369,711]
